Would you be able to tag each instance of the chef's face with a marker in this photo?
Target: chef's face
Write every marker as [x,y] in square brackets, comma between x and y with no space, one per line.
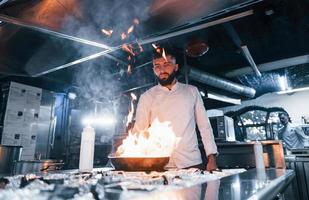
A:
[165,69]
[284,119]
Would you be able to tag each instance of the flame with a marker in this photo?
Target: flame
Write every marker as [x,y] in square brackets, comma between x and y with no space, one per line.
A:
[128,48]
[107,32]
[131,110]
[133,96]
[130,29]
[158,140]
[136,21]
[157,48]
[123,36]
[163,54]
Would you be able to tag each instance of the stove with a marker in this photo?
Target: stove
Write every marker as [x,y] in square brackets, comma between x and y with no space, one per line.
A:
[104,183]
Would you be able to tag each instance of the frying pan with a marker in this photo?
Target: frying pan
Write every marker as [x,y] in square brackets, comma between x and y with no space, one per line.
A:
[139,163]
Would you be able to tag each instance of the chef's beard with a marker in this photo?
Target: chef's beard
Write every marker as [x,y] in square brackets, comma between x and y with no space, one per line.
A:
[169,80]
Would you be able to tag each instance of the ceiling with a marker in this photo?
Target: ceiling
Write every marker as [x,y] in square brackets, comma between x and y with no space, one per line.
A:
[59,44]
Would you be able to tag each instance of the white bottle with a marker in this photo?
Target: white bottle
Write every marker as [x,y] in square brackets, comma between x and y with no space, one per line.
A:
[87,149]
[258,154]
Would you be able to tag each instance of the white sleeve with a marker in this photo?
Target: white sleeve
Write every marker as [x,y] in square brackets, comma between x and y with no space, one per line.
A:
[301,133]
[204,126]
[142,117]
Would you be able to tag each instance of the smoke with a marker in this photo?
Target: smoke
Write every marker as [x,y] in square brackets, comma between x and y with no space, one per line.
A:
[111,15]
[95,82]
[95,79]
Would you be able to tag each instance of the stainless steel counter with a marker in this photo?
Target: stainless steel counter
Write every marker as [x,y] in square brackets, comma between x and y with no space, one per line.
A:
[251,184]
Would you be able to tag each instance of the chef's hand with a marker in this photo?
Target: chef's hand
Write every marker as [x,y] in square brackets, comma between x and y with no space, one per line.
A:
[211,164]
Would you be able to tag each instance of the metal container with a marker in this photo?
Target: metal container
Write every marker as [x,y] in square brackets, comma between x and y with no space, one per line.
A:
[37,166]
[9,155]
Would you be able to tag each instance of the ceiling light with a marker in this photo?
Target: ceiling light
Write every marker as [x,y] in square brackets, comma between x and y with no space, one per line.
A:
[293,90]
[223,98]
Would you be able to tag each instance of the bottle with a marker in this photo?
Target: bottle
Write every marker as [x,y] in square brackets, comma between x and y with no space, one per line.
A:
[87,149]
[258,154]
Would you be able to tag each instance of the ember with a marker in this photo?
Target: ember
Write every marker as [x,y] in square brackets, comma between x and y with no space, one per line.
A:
[107,32]
[123,36]
[158,49]
[130,29]
[136,21]
[129,69]
[140,47]
[128,48]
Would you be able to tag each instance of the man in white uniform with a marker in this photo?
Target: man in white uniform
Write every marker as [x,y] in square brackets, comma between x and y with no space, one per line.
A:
[182,105]
[292,136]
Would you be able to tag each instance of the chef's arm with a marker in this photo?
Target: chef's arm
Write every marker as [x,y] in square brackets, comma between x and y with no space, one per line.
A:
[142,117]
[301,133]
[211,162]
[205,129]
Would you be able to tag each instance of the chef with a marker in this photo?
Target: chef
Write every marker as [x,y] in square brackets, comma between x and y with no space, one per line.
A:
[292,136]
[180,104]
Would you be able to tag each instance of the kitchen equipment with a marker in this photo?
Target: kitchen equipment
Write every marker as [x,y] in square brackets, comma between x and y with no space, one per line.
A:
[241,154]
[9,155]
[223,128]
[139,163]
[37,166]
[304,152]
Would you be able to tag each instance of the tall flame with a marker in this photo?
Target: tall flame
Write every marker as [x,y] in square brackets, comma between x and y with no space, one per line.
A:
[158,140]
[163,54]
[133,96]
[131,110]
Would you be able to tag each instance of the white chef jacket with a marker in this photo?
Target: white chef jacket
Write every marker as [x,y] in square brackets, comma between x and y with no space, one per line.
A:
[183,107]
[293,136]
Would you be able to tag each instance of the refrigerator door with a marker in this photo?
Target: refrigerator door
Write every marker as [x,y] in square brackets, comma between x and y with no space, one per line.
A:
[46,126]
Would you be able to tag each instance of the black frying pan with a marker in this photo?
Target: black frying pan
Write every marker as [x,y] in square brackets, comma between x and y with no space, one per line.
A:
[139,163]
